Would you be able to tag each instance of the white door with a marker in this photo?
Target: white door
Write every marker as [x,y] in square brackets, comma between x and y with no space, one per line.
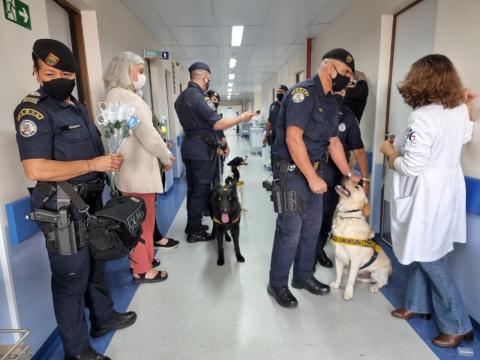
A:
[414,38]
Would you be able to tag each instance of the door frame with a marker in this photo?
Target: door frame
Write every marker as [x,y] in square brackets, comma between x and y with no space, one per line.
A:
[387,120]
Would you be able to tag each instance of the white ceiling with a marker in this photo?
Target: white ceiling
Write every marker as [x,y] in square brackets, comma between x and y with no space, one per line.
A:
[200,30]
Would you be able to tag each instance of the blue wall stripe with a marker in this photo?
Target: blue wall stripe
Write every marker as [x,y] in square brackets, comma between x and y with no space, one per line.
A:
[473,195]
[19,227]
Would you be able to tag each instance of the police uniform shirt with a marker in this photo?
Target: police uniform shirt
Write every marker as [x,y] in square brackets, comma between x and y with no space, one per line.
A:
[55,130]
[349,130]
[197,116]
[307,107]
[273,115]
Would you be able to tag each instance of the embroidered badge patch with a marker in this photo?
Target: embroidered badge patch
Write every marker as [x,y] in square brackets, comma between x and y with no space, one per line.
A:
[27,128]
[210,103]
[342,127]
[52,59]
[31,112]
[299,94]
[411,135]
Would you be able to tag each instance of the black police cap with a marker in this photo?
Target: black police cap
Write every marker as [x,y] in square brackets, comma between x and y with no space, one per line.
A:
[56,54]
[199,66]
[283,87]
[341,55]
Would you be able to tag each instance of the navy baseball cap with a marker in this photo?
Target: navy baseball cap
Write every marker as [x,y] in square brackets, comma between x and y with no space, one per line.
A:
[199,66]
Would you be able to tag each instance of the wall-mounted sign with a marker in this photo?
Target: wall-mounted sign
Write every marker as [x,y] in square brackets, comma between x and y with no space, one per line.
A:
[156,54]
[17,12]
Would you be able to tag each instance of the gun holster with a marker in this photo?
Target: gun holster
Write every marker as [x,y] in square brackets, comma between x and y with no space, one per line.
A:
[61,232]
[285,201]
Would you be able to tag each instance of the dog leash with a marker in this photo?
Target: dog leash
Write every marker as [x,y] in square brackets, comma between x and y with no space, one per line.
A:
[370,243]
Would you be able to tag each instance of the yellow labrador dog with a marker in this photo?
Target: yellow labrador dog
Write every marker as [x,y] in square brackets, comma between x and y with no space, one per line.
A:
[352,238]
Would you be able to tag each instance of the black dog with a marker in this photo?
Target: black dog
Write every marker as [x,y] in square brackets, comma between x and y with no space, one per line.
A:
[225,210]
[234,164]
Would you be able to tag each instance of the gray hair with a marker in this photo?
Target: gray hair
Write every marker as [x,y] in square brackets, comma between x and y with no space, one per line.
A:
[117,72]
[198,73]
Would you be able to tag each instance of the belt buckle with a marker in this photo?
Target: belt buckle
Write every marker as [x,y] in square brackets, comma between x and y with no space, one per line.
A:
[291,167]
[316,165]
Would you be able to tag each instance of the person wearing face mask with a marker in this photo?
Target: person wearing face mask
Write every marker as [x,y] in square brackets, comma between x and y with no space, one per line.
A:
[224,149]
[306,129]
[351,138]
[356,96]
[140,175]
[273,114]
[57,142]
[200,121]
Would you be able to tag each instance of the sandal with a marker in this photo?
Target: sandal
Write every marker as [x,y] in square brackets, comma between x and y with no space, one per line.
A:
[161,276]
[171,244]
[156,262]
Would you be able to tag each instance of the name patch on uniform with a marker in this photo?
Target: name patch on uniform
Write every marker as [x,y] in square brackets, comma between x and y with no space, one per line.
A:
[30,112]
[342,127]
[27,128]
[210,103]
[298,94]
[52,59]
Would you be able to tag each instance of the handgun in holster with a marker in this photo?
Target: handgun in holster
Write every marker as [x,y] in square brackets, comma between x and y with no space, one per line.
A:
[285,201]
[60,231]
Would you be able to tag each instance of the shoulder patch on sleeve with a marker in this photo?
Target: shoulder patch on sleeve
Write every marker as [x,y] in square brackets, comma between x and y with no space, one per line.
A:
[30,112]
[210,103]
[27,128]
[299,94]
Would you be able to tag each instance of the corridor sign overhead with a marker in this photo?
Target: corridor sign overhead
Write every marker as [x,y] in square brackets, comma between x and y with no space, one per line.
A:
[17,12]
[156,54]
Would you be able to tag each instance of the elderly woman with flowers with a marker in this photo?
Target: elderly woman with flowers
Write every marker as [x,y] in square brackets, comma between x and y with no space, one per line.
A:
[140,175]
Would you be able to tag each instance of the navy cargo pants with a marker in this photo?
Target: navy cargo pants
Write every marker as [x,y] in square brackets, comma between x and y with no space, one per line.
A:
[296,234]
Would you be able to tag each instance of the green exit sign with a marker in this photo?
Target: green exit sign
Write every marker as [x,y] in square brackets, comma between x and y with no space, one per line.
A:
[17,12]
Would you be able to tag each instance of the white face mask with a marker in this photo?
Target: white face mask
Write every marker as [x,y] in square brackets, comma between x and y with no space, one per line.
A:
[141,81]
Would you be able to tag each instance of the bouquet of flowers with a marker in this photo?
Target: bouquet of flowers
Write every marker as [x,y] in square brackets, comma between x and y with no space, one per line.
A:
[118,121]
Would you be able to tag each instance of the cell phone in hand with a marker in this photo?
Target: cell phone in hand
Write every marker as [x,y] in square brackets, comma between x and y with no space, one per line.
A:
[390,137]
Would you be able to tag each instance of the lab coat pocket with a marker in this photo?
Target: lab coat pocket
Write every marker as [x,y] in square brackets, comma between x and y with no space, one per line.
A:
[402,208]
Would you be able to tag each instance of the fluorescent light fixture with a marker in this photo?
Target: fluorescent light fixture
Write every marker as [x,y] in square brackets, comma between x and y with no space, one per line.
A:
[233,63]
[237,35]
[229,91]
[230,84]
[229,97]
[231,76]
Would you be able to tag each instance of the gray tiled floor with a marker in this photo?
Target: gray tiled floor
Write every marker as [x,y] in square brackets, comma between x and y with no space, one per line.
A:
[205,312]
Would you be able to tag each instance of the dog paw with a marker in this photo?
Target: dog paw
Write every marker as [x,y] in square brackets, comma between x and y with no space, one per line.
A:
[374,288]
[335,285]
[220,261]
[240,258]
[348,295]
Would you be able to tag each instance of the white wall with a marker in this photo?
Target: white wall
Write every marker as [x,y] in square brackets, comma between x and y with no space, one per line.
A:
[286,76]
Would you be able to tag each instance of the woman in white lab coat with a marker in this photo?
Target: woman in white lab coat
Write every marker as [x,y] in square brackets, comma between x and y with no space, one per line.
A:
[428,211]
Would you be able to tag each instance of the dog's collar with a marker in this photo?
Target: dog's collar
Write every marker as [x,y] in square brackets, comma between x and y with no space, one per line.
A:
[215,220]
[350,214]
[371,243]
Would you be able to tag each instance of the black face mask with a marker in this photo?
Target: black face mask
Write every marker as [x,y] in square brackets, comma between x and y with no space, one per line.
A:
[207,85]
[59,89]
[280,96]
[340,82]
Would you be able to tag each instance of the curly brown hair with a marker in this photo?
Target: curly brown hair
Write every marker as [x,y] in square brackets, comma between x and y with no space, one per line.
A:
[432,80]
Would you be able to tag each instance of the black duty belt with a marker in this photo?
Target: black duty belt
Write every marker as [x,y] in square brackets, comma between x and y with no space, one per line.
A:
[287,167]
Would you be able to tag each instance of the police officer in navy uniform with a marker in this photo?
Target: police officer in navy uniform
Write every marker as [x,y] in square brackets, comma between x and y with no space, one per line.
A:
[351,138]
[200,121]
[224,149]
[273,114]
[57,142]
[307,127]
